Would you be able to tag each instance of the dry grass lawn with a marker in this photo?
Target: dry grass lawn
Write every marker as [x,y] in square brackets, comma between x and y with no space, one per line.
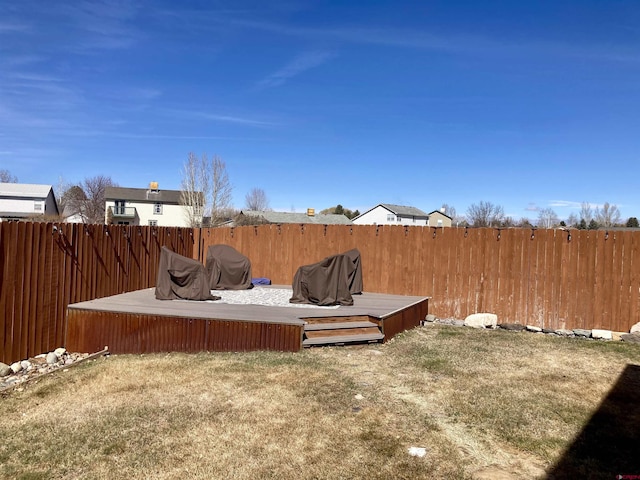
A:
[484,404]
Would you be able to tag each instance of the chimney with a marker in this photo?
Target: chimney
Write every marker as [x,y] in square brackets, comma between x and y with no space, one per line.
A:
[443,210]
[311,212]
[153,186]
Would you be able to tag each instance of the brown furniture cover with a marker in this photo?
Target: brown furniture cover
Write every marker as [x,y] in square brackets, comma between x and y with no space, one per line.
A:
[331,281]
[228,269]
[181,278]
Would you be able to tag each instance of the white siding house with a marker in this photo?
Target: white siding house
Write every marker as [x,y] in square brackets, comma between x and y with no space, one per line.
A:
[388,214]
[24,200]
[145,206]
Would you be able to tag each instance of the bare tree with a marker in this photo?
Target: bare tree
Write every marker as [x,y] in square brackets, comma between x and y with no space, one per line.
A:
[608,216]
[547,218]
[206,190]
[73,200]
[6,177]
[586,213]
[194,188]
[93,205]
[256,199]
[485,214]
[220,191]
[450,210]
[573,220]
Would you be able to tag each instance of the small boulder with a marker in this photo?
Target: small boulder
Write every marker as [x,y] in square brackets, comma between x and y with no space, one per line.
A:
[52,358]
[16,367]
[5,370]
[601,334]
[430,318]
[516,327]
[635,328]
[631,337]
[581,332]
[564,332]
[533,328]
[481,320]
[60,352]
[548,330]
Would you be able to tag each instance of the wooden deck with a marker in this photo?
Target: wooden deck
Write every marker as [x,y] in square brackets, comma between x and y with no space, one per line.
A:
[137,322]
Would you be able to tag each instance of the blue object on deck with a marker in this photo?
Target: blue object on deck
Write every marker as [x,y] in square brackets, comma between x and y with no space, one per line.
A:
[261,281]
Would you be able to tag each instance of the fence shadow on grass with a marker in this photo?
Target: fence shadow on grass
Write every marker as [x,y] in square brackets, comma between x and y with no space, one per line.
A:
[609,445]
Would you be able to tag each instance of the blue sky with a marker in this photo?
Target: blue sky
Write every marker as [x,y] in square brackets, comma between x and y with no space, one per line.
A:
[525,104]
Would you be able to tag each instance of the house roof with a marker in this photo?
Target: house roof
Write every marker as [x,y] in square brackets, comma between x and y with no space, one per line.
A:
[25,190]
[295,217]
[441,213]
[403,210]
[143,195]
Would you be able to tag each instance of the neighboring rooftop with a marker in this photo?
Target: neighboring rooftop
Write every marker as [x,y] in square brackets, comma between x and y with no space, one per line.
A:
[295,217]
[24,190]
[404,210]
[143,194]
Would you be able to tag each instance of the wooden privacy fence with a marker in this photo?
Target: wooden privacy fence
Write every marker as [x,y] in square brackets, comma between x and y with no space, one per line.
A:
[547,278]
[44,267]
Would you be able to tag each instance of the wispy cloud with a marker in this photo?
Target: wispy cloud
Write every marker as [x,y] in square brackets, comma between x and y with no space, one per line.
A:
[300,64]
[215,117]
[13,27]
[532,207]
[565,204]
[448,42]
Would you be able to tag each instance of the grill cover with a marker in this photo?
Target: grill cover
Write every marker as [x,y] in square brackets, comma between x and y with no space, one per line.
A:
[228,269]
[331,281]
[180,277]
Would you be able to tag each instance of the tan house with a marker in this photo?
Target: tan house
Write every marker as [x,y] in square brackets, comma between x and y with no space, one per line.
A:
[438,218]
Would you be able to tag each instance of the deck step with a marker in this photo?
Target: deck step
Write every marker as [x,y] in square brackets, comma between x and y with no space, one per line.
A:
[341,340]
[338,325]
[343,336]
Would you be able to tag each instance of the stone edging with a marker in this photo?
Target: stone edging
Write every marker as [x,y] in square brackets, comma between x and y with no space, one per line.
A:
[487,320]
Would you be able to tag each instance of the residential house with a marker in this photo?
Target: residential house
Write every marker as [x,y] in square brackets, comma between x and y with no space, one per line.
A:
[19,201]
[146,206]
[265,216]
[438,218]
[389,214]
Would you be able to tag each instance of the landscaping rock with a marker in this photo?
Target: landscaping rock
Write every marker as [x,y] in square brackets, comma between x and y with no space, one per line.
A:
[16,367]
[580,332]
[430,318]
[516,327]
[631,337]
[549,331]
[564,332]
[5,370]
[533,328]
[481,320]
[52,358]
[635,328]
[601,334]
[60,352]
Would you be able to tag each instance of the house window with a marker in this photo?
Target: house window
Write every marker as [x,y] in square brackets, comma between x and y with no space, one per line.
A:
[391,217]
[439,222]
[119,208]
[153,223]
[157,209]
[123,223]
[37,206]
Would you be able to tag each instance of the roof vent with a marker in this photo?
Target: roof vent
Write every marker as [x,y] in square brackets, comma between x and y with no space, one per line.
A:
[311,212]
[153,186]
